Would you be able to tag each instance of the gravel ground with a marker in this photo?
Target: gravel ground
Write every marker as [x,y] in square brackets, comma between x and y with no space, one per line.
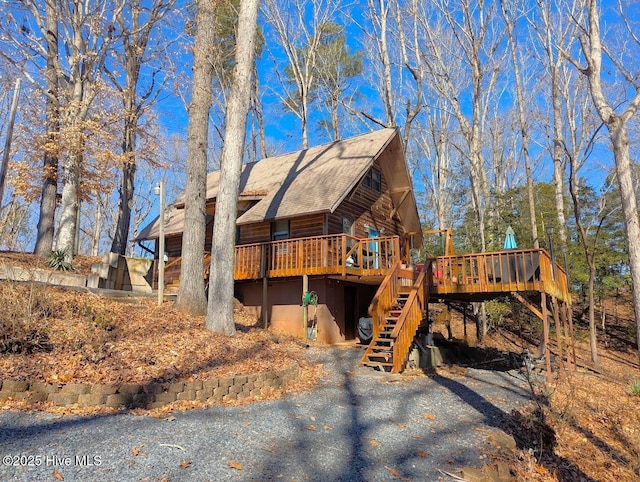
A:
[357,425]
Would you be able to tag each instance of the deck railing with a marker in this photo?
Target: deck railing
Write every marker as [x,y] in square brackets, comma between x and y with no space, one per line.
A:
[498,272]
[331,254]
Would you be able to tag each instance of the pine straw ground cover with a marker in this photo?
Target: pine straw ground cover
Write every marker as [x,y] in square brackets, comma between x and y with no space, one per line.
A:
[586,424]
[59,336]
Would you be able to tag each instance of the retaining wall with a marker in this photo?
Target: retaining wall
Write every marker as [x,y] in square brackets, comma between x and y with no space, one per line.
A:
[154,395]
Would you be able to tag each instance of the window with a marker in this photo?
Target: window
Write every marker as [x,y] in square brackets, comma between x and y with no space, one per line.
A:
[280,230]
[373,180]
[347,226]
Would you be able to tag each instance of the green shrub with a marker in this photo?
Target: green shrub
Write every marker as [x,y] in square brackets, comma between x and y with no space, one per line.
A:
[634,388]
[57,260]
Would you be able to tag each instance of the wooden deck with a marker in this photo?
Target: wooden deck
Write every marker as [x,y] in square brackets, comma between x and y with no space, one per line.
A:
[338,254]
[483,276]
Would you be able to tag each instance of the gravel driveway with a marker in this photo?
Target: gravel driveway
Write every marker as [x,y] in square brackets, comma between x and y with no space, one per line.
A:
[357,425]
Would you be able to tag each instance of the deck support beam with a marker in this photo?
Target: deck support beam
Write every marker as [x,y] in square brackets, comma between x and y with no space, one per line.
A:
[545,330]
[559,334]
[265,302]
[305,307]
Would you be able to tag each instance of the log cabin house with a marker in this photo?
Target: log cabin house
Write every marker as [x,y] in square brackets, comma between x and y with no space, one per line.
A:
[340,221]
[341,213]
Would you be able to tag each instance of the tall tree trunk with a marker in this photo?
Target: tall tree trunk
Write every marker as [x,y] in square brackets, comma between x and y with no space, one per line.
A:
[97,225]
[66,236]
[620,143]
[558,170]
[593,340]
[257,105]
[191,294]
[220,308]
[305,118]
[588,254]
[46,219]
[136,25]
[127,186]
[618,135]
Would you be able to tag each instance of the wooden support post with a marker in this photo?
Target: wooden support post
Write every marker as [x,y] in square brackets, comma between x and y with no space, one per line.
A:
[565,332]
[545,328]
[572,335]
[559,334]
[265,302]
[464,323]
[305,308]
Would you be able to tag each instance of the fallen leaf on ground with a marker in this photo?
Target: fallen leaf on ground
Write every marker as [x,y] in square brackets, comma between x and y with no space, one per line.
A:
[421,453]
[185,463]
[234,465]
[374,443]
[327,427]
[311,428]
[135,451]
[58,475]
[429,416]
[392,471]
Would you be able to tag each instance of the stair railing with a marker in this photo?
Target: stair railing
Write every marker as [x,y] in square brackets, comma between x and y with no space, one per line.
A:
[384,298]
[408,322]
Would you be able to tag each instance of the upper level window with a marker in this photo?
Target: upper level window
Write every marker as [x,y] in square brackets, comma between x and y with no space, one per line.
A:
[280,230]
[373,180]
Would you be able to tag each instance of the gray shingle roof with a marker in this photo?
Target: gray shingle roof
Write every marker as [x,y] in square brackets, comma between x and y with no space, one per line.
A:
[314,180]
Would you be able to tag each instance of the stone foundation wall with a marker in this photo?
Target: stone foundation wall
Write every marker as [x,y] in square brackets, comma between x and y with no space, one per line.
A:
[130,395]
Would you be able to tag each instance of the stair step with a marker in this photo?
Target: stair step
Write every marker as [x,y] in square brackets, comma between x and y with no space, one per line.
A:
[386,342]
[380,354]
[384,366]
[381,357]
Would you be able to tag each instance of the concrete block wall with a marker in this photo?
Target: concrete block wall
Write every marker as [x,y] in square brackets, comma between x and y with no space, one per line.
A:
[117,272]
[114,272]
[154,395]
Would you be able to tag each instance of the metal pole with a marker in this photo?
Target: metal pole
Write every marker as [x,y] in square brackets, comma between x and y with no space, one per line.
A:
[7,143]
[161,247]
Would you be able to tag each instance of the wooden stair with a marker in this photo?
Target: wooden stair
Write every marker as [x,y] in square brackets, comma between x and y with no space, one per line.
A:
[379,353]
[397,311]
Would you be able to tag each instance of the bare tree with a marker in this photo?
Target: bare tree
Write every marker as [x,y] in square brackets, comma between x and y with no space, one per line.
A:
[136,23]
[465,35]
[437,171]
[48,199]
[379,11]
[592,48]
[469,29]
[509,15]
[191,294]
[299,27]
[220,306]
[555,33]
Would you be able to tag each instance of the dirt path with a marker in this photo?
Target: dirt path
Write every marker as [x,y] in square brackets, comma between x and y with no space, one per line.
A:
[356,425]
